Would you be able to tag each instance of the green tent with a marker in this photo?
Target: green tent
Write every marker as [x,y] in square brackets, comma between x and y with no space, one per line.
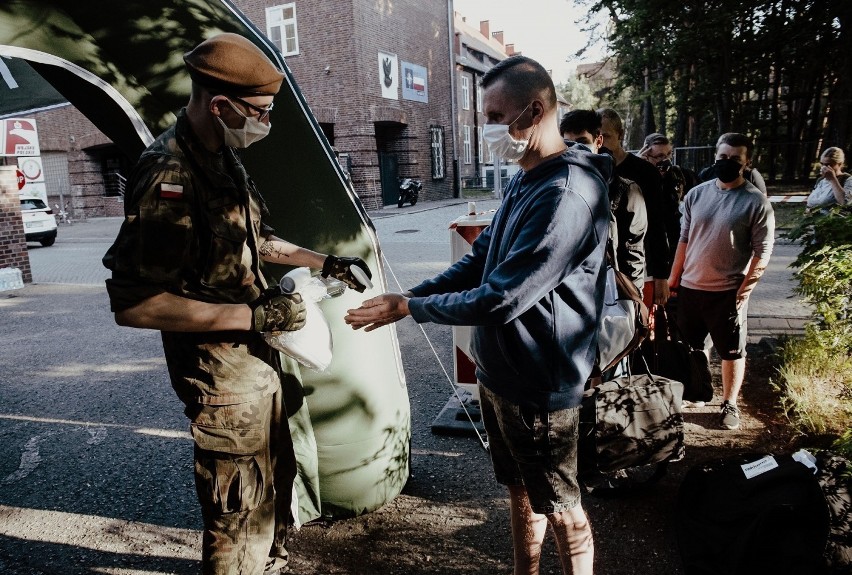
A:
[22,90]
[121,65]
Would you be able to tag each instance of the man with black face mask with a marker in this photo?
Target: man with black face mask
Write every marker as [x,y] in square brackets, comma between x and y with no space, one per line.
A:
[750,173]
[726,239]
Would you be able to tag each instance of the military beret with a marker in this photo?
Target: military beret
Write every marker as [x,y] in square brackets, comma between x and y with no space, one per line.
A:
[232,64]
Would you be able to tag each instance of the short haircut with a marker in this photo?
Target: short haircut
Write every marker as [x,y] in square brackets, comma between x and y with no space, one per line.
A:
[614,119]
[736,140]
[524,79]
[833,155]
[577,121]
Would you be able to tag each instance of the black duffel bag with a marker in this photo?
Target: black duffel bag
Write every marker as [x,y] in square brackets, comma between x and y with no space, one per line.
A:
[669,356]
[630,422]
[751,514]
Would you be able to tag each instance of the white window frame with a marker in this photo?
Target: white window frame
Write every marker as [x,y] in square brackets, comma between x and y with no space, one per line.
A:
[479,149]
[465,92]
[275,19]
[436,135]
[479,98]
[466,147]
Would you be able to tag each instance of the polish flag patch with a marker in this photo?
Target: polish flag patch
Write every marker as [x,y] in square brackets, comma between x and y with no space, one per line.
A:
[171,191]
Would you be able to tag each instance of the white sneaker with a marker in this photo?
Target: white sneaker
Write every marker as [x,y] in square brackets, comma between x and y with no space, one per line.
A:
[686,404]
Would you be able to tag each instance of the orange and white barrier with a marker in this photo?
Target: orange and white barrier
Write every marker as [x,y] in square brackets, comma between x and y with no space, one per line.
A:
[463,231]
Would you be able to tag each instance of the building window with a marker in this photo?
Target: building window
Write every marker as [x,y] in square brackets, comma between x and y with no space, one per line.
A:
[281,28]
[479,157]
[479,98]
[436,136]
[467,147]
[465,93]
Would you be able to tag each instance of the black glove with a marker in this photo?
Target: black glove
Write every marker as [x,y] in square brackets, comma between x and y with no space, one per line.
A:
[338,268]
[277,311]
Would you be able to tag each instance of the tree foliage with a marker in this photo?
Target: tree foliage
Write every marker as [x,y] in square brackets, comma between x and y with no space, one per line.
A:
[578,92]
[779,70]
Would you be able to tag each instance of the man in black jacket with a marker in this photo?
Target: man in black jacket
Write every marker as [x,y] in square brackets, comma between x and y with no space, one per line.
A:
[677,181]
[657,259]
[630,218]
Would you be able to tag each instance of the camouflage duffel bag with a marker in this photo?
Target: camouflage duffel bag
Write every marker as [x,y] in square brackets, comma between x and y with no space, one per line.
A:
[630,422]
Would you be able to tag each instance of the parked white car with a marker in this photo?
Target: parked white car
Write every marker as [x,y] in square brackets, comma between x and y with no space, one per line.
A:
[39,221]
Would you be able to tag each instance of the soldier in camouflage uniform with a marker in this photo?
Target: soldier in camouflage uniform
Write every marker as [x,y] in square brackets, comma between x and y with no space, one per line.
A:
[187,262]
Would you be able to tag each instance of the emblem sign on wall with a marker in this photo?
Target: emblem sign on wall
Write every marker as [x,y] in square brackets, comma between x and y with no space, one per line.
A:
[389,75]
[19,137]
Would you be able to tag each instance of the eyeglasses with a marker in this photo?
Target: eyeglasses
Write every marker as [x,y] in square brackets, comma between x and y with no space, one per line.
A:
[659,157]
[827,164]
[263,113]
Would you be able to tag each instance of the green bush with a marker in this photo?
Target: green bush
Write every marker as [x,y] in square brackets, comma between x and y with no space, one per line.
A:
[816,370]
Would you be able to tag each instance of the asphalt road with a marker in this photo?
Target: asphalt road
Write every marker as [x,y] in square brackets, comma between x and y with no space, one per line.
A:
[95,459]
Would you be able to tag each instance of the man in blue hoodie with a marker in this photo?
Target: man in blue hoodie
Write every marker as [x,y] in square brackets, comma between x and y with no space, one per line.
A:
[531,287]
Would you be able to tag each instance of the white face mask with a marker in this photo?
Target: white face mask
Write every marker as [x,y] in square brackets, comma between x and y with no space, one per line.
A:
[252,131]
[501,142]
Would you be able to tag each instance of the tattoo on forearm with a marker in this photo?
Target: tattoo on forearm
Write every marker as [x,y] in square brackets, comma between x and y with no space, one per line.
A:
[269,250]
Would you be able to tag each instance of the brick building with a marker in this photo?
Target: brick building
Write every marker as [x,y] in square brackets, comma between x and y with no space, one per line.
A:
[379,82]
[475,52]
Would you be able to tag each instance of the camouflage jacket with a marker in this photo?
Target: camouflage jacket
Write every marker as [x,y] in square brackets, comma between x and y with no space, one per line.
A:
[193,220]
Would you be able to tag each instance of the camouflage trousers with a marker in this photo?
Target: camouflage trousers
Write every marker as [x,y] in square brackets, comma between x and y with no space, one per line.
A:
[244,472]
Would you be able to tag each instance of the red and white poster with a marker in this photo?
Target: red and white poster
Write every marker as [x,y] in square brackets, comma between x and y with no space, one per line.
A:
[19,137]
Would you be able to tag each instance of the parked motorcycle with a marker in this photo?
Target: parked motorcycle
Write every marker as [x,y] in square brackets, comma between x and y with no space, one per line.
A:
[409,190]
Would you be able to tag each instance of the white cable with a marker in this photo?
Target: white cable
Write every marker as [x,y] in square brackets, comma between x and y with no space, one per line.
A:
[482,441]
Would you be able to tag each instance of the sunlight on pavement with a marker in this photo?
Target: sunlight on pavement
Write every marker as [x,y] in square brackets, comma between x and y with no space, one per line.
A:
[78,369]
[120,571]
[167,433]
[104,534]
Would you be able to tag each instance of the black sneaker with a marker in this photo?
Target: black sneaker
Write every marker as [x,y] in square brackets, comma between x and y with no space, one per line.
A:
[729,416]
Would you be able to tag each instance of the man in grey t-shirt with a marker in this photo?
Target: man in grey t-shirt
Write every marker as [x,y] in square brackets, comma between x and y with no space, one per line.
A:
[727,235]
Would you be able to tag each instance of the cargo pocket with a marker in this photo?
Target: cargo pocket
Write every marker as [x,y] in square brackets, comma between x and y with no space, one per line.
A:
[232,465]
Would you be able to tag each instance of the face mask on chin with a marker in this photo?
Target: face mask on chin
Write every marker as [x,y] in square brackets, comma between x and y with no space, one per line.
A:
[252,131]
[500,141]
[727,170]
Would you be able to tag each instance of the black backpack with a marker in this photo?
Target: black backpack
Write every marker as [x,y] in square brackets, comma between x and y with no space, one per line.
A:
[774,522]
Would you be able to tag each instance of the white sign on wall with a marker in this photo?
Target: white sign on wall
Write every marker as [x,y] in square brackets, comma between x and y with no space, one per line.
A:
[389,75]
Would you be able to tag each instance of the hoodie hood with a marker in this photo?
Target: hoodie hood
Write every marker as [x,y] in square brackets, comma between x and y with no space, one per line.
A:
[581,155]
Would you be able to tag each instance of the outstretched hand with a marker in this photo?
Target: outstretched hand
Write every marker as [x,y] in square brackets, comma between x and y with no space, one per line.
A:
[378,311]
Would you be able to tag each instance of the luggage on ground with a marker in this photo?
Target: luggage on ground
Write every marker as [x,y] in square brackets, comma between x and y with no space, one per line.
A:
[630,423]
[752,514]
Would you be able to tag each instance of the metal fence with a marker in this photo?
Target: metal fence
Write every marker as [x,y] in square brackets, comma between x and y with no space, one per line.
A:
[785,162]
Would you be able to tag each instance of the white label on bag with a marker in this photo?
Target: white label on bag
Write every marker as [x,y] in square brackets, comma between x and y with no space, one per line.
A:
[762,465]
